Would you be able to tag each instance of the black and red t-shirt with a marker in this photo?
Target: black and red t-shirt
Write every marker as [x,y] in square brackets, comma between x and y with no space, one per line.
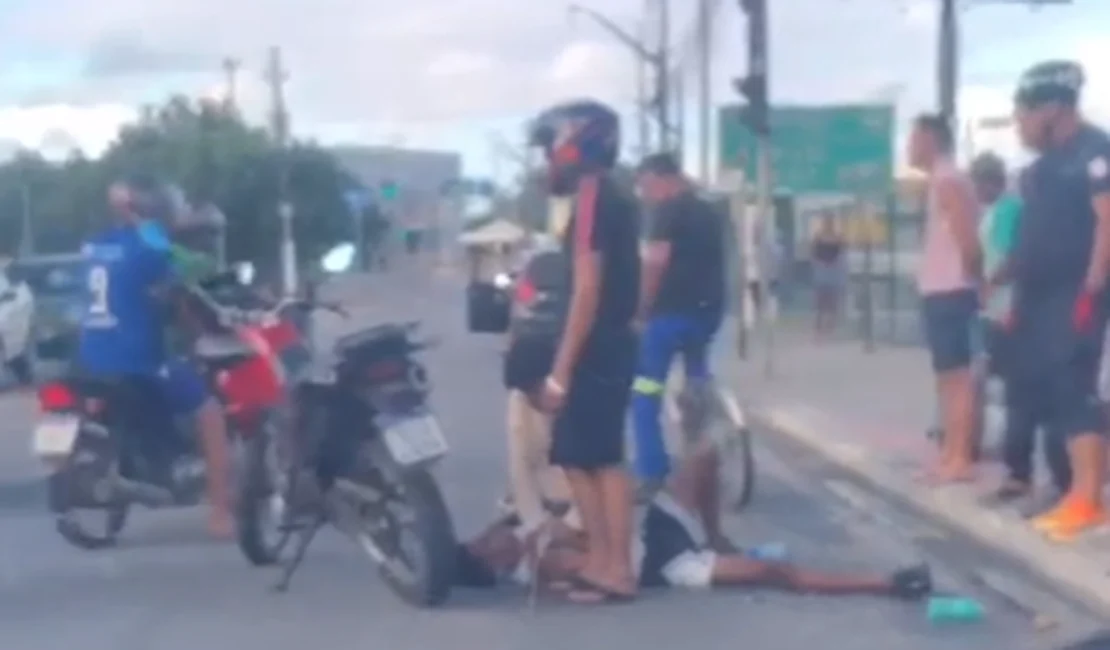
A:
[605,219]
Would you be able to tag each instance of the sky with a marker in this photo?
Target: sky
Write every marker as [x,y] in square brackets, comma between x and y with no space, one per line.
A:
[460,74]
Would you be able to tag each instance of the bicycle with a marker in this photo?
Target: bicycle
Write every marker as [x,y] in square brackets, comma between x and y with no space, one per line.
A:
[710,409]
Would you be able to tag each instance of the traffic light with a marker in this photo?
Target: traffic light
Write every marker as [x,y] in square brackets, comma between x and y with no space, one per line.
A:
[389,190]
[756,114]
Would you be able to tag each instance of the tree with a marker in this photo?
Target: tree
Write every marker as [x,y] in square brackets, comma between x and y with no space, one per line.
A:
[216,159]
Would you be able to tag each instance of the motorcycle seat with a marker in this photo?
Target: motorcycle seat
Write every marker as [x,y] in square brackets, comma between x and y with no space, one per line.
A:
[98,386]
[372,336]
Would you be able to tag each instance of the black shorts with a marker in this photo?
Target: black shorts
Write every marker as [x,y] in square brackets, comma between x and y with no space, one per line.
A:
[949,317]
[675,552]
[588,433]
[1056,369]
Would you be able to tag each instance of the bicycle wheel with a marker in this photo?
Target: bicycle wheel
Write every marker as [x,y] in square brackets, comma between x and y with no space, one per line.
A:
[715,413]
[737,466]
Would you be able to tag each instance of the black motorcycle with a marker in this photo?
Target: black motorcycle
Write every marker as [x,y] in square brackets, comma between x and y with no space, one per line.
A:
[358,455]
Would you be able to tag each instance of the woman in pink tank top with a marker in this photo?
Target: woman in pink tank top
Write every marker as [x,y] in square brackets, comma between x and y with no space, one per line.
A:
[949,298]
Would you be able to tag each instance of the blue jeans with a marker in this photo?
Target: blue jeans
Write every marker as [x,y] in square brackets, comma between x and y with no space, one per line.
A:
[665,336]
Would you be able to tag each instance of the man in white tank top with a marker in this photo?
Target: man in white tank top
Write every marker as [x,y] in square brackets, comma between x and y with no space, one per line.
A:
[947,282]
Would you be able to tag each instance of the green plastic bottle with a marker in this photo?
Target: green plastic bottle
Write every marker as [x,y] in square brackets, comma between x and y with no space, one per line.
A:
[955,609]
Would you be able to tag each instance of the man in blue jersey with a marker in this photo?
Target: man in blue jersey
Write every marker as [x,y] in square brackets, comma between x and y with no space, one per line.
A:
[122,333]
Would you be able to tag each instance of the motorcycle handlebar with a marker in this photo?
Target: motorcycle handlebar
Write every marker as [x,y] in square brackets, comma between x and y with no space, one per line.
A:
[229,316]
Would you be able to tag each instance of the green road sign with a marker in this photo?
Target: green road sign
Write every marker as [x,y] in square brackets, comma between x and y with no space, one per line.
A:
[817,149]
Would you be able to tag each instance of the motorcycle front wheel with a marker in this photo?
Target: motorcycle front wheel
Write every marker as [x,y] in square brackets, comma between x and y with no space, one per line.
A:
[415,532]
[260,502]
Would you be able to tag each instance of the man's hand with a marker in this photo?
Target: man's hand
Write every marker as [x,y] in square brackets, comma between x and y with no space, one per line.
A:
[553,395]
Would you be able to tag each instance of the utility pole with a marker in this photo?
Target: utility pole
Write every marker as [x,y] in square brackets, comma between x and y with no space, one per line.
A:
[642,100]
[948,50]
[231,67]
[678,85]
[948,54]
[663,73]
[655,58]
[705,83]
[757,117]
[276,76]
[27,229]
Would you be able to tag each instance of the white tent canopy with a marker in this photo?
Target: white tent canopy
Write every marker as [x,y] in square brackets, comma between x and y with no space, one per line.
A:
[496,232]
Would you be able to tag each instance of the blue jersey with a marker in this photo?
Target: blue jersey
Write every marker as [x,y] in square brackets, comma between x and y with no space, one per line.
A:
[122,322]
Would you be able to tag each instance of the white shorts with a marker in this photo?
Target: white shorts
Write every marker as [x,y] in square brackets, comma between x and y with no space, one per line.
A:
[691,570]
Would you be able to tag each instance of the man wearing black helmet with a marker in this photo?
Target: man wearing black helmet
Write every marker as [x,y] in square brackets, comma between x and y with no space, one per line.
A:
[589,386]
[1059,267]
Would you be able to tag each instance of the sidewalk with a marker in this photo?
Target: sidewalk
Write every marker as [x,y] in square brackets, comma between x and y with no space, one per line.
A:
[868,413]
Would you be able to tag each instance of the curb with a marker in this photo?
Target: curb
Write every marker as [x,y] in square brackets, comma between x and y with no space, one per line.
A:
[1062,565]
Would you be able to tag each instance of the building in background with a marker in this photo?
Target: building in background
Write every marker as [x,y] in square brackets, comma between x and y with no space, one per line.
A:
[416,189]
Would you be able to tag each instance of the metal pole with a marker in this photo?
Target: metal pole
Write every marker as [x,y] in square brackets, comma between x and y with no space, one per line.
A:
[679,85]
[642,102]
[757,64]
[948,59]
[279,118]
[662,75]
[27,231]
[705,100]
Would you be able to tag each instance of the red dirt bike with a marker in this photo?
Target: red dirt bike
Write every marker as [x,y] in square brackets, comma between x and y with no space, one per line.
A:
[104,458]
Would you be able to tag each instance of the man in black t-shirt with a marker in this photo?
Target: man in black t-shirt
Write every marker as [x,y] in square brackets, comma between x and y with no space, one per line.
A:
[589,387]
[1059,266]
[682,299]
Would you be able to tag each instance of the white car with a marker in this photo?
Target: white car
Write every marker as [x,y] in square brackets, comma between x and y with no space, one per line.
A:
[17,308]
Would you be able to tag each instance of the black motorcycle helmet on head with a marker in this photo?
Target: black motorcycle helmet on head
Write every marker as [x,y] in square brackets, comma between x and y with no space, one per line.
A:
[1046,93]
[577,138]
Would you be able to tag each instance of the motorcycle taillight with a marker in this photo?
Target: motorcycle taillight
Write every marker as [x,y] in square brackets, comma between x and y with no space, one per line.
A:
[525,291]
[56,396]
[385,370]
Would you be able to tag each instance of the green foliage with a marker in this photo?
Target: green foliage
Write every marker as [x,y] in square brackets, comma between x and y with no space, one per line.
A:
[213,155]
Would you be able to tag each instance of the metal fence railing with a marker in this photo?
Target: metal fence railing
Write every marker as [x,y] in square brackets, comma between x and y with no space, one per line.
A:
[880,304]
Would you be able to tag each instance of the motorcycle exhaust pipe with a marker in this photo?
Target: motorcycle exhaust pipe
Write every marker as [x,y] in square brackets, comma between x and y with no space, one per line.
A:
[145,494]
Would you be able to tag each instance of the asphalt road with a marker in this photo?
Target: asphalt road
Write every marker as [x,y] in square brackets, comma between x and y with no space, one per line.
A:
[168,588]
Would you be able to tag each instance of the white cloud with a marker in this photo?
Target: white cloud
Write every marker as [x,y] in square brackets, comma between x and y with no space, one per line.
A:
[382,69]
[91,128]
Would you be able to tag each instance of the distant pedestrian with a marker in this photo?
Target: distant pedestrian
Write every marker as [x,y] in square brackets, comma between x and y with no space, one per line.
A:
[947,282]
[829,274]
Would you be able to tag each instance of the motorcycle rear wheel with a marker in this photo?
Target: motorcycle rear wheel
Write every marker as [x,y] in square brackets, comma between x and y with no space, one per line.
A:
[431,556]
[73,530]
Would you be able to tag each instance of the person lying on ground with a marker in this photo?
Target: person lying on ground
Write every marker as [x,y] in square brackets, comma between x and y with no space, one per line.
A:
[671,550]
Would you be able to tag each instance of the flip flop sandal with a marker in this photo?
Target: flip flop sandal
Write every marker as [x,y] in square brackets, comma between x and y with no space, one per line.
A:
[588,592]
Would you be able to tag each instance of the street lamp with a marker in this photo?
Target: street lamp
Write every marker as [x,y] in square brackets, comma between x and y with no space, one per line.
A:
[655,59]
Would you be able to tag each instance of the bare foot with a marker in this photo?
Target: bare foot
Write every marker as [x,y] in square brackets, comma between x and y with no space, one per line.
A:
[221,525]
[951,474]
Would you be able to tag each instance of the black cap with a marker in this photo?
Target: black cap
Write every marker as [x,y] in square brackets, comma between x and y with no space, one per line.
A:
[1050,82]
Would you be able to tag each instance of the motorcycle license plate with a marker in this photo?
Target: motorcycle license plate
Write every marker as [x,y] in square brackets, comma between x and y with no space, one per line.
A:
[415,440]
[55,435]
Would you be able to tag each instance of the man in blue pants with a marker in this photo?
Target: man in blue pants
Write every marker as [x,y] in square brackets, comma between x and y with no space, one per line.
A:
[682,295]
